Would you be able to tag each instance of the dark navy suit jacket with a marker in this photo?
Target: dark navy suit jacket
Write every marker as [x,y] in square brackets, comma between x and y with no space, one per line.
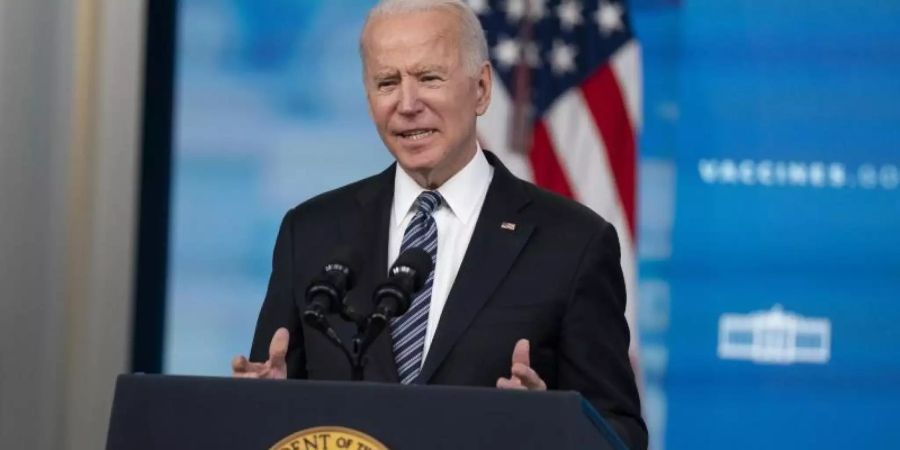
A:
[555,279]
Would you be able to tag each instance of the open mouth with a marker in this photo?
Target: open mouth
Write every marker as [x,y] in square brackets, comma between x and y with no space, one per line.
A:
[417,134]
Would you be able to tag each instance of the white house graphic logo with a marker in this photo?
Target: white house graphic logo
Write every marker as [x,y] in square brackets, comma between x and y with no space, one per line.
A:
[774,337]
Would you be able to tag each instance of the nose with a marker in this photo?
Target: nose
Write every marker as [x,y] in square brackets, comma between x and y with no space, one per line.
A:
[410,103]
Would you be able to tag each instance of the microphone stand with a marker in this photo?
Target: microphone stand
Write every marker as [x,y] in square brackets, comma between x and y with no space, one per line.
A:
[407,276]
[368,328]
[320,324]
[366,331]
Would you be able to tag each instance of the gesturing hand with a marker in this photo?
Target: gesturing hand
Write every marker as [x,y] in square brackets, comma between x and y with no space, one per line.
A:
[522,375]
[274,368]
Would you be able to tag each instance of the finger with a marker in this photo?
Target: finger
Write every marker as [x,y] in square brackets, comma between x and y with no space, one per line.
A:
[509,383]
[521,352]
[524,372]
[528,377]
[238,364]
[278,347]
[242,368]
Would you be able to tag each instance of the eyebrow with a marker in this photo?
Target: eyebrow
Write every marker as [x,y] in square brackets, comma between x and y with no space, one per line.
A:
[384,74]
[416,70]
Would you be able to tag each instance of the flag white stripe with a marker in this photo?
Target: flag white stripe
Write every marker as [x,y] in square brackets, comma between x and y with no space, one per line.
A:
[626,66]
[583,156]
[494,129]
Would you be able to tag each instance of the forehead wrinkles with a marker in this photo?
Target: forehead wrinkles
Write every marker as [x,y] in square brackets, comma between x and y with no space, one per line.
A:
[418,59]
[388,41]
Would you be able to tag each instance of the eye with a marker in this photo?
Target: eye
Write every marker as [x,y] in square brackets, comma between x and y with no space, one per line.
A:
[385,84]
[430,78]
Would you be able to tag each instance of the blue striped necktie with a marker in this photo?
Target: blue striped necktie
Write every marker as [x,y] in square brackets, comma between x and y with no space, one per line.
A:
[408,331]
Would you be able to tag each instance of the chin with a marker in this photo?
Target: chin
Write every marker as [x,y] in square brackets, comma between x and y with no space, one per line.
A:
[419,160]
[418,165]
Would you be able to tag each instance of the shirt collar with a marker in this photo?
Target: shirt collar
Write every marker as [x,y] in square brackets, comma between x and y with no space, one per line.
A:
[460,192]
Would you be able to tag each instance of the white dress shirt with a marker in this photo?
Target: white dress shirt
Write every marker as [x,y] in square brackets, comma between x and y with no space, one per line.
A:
[463,195]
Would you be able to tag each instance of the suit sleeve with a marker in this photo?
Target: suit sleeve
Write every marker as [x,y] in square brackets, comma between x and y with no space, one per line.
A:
[278,309]
[594,340]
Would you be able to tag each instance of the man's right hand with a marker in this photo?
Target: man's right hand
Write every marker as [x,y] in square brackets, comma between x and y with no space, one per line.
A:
[275,368]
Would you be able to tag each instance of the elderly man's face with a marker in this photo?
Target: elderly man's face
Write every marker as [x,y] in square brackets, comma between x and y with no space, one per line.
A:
[422,99]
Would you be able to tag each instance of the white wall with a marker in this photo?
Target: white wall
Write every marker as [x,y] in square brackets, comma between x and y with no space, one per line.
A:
[69,114]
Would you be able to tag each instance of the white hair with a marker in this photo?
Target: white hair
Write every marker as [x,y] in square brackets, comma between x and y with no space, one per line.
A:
[473,44]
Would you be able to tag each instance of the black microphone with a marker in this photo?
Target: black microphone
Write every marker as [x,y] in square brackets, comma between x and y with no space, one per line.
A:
[327,290]
[405,278]
[392,298]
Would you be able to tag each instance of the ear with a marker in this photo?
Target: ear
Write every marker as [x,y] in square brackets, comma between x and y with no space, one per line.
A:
[485,82]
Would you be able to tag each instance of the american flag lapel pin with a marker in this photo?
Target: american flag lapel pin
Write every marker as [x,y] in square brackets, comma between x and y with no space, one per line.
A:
[509,226]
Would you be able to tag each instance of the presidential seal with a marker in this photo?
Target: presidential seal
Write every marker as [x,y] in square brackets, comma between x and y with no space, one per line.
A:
[329,438]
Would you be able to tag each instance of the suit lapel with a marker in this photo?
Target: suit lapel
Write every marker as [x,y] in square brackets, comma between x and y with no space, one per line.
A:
[373,201]
[494,246]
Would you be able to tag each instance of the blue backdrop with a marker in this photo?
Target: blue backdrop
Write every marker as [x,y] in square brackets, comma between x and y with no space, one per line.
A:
[769,201]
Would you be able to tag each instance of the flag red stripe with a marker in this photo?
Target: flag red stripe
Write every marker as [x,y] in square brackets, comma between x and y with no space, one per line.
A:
[604,99]
[548,173]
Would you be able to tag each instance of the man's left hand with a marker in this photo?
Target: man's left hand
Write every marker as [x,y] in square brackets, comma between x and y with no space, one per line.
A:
[522,375]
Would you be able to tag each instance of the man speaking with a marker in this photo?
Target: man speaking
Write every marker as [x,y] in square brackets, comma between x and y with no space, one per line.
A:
[526,291]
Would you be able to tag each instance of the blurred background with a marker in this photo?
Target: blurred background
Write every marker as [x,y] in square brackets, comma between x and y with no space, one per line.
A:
[149,149]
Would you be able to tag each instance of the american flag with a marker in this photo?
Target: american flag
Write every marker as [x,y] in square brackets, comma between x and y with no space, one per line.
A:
[566,105]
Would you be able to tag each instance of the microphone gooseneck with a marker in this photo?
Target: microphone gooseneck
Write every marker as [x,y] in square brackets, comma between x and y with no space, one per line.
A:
[326,295]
